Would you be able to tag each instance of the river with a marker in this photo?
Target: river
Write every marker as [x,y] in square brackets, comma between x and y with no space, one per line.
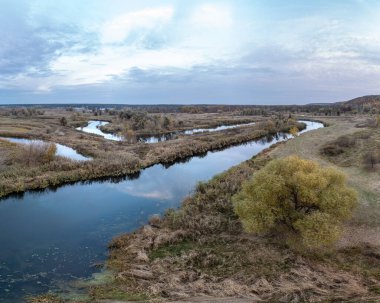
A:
[93,127]
[53,236]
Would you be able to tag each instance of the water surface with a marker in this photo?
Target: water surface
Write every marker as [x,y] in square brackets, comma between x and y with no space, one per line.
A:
[55,235]
[93,127]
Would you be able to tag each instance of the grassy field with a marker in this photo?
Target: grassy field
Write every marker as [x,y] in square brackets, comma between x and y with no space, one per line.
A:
[201,250]
[365,225]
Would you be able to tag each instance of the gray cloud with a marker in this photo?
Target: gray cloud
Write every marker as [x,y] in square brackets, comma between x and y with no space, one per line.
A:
[46,56]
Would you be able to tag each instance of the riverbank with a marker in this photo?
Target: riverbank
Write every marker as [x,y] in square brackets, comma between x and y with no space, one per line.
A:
[187,123]
[201,250]
[115,159]
[66,230]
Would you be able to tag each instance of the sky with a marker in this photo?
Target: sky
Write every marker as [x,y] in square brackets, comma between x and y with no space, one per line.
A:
[188,52]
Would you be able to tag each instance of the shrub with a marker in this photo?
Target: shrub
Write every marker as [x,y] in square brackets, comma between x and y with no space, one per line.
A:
[332,150]
[294,131]
[50,152]
[339,146]
[129,135]
[35,153]
[63,121]
[297,197]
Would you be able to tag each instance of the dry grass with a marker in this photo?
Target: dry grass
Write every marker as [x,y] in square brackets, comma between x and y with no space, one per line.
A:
[49,298]
[110,158]
[201,250]
[363,226]
[351,150]
[178,122]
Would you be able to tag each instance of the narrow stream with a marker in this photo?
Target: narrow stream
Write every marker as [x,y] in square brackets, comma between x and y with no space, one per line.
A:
[173,135]
[94,126]
[53,236]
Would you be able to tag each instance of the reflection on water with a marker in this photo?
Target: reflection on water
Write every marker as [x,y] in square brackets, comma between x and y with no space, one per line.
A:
[174,135]
[159,138]
[62,150]
[94,126]
[56,235]
[216,129]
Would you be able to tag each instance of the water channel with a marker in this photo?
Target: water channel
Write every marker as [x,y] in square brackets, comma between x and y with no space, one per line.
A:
[55,235]
[94,127]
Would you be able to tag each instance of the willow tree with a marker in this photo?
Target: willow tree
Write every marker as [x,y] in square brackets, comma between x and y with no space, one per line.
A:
[294,131]
[299,198]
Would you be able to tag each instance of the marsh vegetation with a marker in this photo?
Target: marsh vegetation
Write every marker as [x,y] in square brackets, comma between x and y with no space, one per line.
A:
[102,206]
[112,158]
[203,247]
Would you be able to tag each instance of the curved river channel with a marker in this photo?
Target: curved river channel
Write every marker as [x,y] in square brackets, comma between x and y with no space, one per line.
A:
[93,127]
[50,237]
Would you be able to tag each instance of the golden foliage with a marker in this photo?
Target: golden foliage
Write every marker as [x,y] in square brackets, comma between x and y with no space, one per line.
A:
[294,131]
[50,152]
[297,195]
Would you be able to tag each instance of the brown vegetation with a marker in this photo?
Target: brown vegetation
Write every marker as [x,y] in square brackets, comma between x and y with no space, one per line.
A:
[201,250]
[298,199]
[142,123]
[358,149]
[33,154]
[109,158]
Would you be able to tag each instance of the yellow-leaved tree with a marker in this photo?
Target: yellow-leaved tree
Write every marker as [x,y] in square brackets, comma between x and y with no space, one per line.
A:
[299,198]
[294,131]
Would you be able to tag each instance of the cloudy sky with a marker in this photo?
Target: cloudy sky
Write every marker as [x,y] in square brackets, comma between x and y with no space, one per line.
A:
[179,51]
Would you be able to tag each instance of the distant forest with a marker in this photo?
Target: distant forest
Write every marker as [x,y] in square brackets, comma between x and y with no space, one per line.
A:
[361,105]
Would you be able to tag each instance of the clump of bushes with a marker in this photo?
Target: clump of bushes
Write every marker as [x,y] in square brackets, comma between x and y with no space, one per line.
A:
[24,112]
[35,153]
[339,146]
[298,199]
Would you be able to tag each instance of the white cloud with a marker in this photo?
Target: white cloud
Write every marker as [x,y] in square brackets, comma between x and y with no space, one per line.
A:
[309,47]
[212,16]
[198,43]
[148,39]
[119,28]
[109,62]
[43,88]
[141,190]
